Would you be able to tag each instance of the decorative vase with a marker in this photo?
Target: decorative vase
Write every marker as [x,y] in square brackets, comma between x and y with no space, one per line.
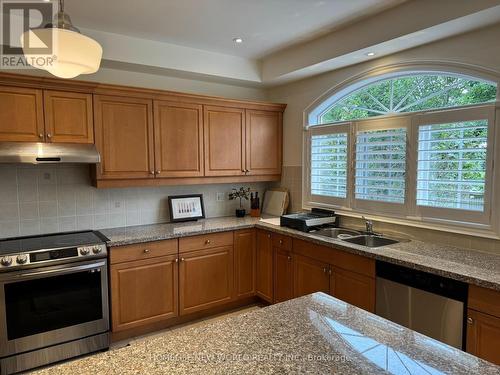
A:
[240,212]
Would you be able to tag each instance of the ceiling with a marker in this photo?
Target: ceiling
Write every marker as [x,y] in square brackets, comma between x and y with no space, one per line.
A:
[265,25]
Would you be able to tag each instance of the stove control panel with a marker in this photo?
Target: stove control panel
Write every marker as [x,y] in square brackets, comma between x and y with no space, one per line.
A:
[46,256]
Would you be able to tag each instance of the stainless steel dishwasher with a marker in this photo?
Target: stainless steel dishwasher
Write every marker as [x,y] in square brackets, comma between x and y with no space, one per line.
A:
[427,303]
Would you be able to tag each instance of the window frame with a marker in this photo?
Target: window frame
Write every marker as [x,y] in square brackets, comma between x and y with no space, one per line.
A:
[485,224]
[338,128]
[480,112]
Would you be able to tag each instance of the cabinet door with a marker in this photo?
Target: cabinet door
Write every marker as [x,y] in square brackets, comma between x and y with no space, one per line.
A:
[309,276]
[263,142]
[483,336]
[143,292]
[178,139]
[124,137]
[283,275]
[353,288]
[68,117]
[206,279]
[21,115]
[224,132]
[265,263]
[244,263]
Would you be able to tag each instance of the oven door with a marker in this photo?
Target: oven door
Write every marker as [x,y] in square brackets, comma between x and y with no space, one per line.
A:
[46,306]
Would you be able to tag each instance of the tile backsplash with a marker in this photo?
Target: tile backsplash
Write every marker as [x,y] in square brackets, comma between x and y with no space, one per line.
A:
[54,198]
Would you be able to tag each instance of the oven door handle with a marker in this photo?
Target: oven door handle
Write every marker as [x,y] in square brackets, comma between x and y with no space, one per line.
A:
[59,271]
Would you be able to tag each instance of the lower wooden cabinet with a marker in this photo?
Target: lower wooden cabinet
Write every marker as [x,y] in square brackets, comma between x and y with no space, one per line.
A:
[483,336]
[143,292]
[353,288]
[265,266]
[310,276]
[283,275]
[244,263]
[205,279]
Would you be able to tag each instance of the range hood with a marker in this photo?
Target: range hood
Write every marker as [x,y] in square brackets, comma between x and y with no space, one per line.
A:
[44,153]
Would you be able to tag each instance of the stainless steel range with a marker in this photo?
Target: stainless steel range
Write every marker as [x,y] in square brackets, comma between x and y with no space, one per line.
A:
[53,299]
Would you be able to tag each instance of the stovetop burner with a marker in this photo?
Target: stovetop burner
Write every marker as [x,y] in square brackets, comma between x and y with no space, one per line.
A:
[50,241]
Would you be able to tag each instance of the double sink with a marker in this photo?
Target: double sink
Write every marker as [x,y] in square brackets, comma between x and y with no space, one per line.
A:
[356,237]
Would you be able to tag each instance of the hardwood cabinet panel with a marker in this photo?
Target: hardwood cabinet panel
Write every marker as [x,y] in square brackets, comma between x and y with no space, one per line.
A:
[124,137]
[265,282]
[206,279]
[21,115]
[141,251]
[178,139]
[143,292]
[483,336]
[484,300]
[68,117]
[205,241]
[283,275]
[263,142]
[224,133]
[353,288]
[244,263]
[281,241]
[309,276]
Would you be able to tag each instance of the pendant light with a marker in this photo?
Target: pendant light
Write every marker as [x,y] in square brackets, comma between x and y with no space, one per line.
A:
[73,53]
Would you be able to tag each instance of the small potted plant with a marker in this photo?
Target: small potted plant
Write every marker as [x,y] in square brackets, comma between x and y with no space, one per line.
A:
[240,194]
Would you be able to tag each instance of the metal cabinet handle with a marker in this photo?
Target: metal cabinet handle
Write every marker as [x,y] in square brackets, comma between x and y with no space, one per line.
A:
[330,271]
[470,320]
[40,135]
[176,260]
[157,172]
[146,251]
[207,242]
[268,236]
[152,172]
[324,270]
[49,135]
[289,257]
[281,242]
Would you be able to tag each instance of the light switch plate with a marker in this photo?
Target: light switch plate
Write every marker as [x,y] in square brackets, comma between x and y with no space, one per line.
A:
[221,197]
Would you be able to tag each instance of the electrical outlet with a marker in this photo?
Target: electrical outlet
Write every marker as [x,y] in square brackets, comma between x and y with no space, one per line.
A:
[118,204]
[221,197]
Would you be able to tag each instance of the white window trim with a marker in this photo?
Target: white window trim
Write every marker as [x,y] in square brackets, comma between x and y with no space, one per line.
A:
[451,223]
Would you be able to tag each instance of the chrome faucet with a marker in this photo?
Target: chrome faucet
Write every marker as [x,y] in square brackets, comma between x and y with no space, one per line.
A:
[368,225]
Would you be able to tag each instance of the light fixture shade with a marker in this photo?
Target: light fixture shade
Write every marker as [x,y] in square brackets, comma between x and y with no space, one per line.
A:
[74,53]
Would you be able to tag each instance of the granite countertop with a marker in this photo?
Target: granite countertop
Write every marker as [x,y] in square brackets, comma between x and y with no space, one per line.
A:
[315,334]
[467,265]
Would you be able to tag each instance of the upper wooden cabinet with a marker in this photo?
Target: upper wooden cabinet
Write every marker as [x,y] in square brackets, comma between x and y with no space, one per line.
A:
[124,137]
[21,115]
[224,141]
[263,142]
[178,139]
[68,117]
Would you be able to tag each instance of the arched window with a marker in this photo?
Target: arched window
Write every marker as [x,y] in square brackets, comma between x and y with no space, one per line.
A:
[405,93]
[417,146]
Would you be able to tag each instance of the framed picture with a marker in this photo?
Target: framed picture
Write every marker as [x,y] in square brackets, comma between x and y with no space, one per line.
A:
[186,207]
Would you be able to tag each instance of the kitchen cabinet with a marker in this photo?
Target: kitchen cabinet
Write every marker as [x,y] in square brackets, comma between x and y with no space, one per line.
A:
[178,139]
[244,263]
[310,276]
[483,336]
[263,142]
[205,279]
[283,275]
[21,115]
[353,288]
[68,117]
[143,292]
[124,137]
[224,132]
[265,266]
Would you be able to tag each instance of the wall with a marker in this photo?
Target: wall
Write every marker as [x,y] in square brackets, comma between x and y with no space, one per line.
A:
[45,199]
[475,49]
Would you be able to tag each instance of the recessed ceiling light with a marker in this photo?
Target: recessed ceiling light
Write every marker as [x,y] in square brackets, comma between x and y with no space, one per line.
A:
[238,40]
[370,54]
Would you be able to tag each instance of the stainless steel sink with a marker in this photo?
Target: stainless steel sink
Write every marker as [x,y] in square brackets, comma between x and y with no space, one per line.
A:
[371,241]
[340,233]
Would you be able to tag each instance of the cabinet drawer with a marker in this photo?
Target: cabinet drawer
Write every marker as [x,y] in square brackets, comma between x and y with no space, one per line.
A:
[282,242]
[338,258]
[484,300]
[206,241]
[142,251]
